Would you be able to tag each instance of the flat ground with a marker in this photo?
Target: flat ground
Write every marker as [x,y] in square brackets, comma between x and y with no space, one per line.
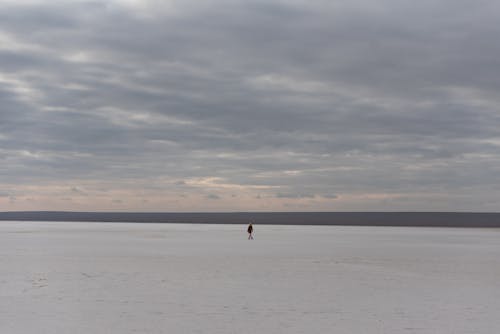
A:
[161,278]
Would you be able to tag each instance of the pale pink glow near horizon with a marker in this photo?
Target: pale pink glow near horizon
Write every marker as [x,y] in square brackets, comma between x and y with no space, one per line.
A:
[225,198]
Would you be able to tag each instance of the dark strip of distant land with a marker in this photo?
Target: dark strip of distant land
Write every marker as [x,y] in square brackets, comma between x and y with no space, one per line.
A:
[437,219]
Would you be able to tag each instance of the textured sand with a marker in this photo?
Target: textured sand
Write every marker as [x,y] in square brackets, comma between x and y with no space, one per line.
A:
[160,278]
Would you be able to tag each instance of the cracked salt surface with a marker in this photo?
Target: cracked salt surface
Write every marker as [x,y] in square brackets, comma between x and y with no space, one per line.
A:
[160,278]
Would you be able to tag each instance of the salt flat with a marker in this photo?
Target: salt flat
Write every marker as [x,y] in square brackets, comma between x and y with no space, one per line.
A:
[163,278]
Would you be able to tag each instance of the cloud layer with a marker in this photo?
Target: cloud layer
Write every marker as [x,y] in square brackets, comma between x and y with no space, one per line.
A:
[249,105]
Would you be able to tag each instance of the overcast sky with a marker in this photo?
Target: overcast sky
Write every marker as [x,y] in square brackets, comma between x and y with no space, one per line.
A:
[268,105]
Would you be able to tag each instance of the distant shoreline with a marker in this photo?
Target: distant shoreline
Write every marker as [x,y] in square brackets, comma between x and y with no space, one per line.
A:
[424,219]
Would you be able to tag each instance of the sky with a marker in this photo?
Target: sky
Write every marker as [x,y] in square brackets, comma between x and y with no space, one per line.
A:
[269,105]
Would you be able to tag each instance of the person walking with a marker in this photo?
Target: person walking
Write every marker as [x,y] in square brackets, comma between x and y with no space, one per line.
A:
[250,232]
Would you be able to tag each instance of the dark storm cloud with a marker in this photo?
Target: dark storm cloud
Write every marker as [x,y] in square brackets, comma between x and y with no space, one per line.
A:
[309,99]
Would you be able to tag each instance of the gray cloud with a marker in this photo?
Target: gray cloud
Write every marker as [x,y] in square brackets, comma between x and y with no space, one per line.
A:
[297,100]
[77,191]
[294,195]
[212,196]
